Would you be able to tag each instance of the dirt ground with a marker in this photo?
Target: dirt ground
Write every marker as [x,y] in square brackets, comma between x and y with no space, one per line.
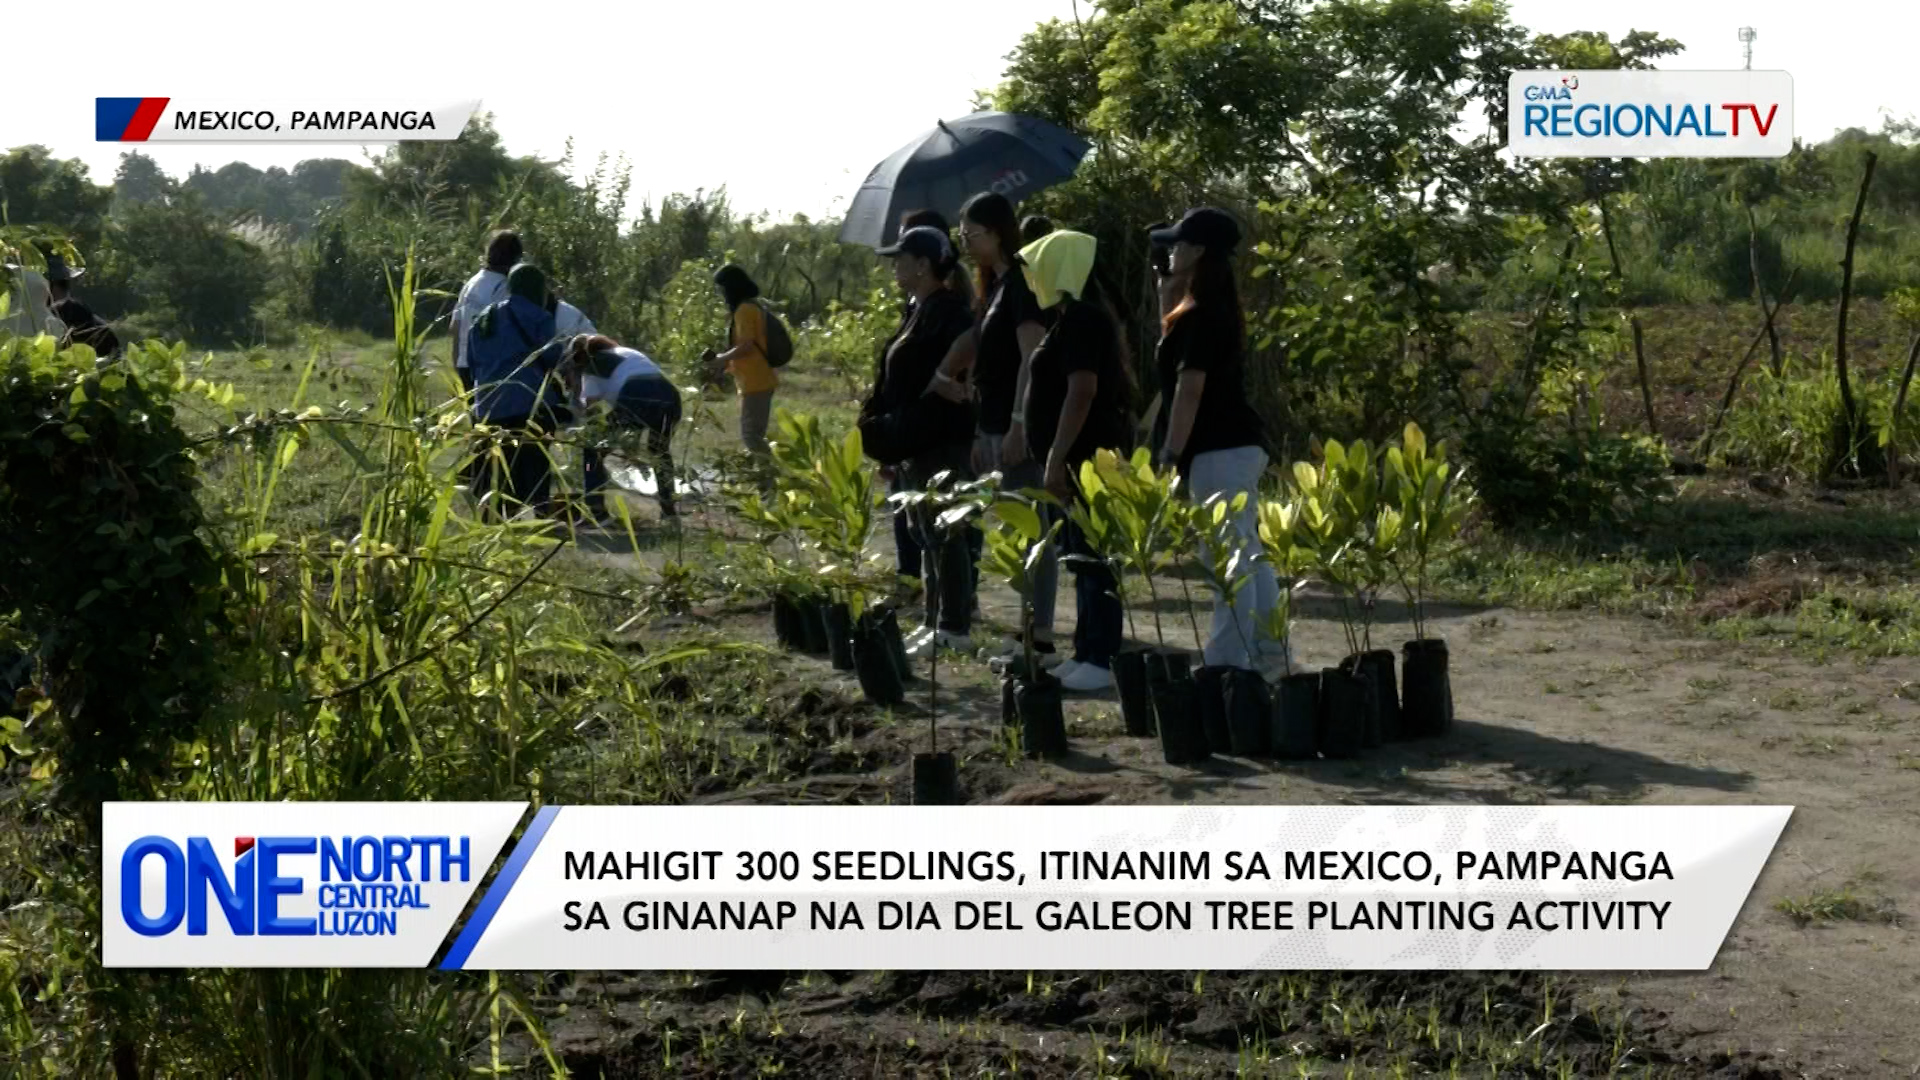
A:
[1561,708]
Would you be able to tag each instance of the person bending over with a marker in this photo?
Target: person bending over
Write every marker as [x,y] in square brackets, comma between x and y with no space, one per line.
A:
[639,398]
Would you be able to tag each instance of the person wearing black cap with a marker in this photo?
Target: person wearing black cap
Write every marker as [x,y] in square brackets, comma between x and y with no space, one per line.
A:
[1033,227]
[1206,427]
[1009,326]
[60,279]
[957,365]
[926,433]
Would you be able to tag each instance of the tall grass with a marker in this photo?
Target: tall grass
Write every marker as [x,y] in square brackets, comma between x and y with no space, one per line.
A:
[1783,423]
[413,661]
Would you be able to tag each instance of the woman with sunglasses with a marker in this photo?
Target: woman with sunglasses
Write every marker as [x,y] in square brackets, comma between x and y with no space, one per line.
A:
[1206,427]
[1008,326]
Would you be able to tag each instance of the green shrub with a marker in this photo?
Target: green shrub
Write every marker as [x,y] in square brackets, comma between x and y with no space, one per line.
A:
[846,341]
[1784,423]
[1528,478]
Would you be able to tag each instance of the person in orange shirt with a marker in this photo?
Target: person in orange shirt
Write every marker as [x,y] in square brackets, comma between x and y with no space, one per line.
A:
[746,356]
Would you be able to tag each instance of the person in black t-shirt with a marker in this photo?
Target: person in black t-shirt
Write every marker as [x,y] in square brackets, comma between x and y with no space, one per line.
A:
[1008,325]
[935,434]
[1077,400]
[1206,426]
[906,547]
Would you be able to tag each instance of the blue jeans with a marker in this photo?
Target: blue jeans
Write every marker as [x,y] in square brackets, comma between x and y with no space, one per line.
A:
[1236,626]
[646,404]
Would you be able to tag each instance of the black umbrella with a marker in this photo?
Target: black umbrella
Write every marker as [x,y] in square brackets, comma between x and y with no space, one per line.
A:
[1009,153]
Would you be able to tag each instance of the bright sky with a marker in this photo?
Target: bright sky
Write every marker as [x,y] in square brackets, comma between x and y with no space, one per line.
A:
[788,104]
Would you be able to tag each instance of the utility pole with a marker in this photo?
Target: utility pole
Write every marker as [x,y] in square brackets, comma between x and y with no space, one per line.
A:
[1747,34]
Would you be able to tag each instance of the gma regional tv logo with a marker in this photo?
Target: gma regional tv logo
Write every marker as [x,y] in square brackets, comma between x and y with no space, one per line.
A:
[292,885]
[1736,114]
[365,883]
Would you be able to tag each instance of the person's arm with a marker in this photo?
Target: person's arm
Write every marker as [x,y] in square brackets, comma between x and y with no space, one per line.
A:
[745,335]
[1013,449]
[1186,405]
[949,377]
[1081,388]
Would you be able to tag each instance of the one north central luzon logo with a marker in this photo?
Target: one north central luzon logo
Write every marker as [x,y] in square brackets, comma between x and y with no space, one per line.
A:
[1554,111]
[365,883]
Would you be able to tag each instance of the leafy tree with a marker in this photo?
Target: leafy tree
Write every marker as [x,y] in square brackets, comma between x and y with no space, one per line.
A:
[189,270]
[39,189]
[139,179]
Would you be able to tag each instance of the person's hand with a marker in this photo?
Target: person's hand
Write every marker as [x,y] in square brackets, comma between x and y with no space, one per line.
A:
[949,388]
[978,458]
[1058,483]
[1013,446]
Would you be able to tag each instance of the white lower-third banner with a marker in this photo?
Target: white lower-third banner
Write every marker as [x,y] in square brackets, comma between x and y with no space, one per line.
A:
[1120,888]
[291,885]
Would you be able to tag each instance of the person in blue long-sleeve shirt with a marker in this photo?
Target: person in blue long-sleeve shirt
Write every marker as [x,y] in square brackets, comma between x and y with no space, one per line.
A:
[512,352]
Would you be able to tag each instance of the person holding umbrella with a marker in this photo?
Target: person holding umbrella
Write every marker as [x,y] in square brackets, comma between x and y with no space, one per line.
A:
[925,433]
[1206,427]
[1008,327]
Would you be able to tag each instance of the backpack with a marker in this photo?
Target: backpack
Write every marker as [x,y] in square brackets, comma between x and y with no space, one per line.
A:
[779,341]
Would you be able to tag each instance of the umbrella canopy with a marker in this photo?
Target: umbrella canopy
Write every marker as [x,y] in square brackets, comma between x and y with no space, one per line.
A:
[1009,153]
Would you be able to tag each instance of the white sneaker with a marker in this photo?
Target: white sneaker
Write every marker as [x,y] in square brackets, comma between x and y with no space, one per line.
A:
[1086,678]
[1065,668]
[940,639]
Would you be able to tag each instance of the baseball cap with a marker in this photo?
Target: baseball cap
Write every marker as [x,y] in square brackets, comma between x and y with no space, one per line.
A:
[58,271]
[1206,226]
[925,242]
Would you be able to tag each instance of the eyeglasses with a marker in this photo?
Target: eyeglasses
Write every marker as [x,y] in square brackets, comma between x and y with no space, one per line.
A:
[967,235]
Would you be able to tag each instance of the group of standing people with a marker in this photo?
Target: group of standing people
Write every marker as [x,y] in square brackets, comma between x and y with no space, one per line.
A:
[1025,371]
[1021,368]
[529,360]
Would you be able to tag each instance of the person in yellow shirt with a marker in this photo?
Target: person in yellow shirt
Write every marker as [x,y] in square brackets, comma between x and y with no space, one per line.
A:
[746,356]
